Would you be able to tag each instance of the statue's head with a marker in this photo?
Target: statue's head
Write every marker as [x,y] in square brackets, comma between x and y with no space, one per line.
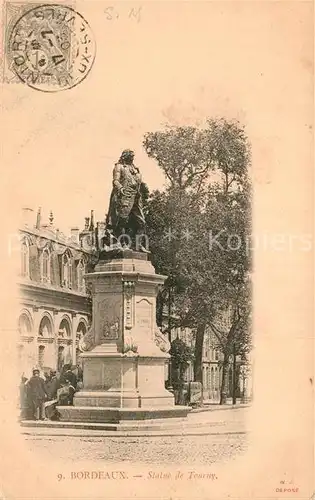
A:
[127,156]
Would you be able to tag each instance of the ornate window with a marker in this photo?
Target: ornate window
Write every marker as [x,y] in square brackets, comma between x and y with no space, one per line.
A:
[66,271]
[45,265]
[25,259]
[81,330]
[45,327]
[80,276]
[64,329]
[25,326]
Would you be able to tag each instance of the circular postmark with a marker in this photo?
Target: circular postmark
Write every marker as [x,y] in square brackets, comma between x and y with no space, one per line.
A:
[51,48]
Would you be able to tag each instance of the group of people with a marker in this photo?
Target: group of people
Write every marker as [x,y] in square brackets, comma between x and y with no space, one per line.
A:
[40,396]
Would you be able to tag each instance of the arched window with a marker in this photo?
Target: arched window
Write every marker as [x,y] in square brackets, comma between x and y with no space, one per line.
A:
[80,276]
[66,271]
[45,266]
[25,259]
[25,326]
[64,329]
[81,330]
[45,327]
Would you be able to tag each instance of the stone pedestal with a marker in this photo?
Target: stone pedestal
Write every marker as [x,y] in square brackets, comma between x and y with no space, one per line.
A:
[125,368]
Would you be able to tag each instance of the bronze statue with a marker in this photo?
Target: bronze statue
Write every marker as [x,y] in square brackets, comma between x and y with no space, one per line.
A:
[125,215]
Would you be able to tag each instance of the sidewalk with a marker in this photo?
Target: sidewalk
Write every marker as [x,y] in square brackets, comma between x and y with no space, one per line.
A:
[206,422]
[209,405]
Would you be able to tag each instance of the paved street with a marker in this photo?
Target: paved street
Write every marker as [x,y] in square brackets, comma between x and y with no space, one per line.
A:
[212,436]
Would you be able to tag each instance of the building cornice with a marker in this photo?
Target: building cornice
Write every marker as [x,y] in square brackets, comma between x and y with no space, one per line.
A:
[49,236]
[45,295]
[45,340]
[64,341]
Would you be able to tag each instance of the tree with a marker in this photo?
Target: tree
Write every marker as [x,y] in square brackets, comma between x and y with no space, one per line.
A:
[207,259]
[218,281]
[232,330]
[229,149]
[229,209]
[167,217]
[184,155]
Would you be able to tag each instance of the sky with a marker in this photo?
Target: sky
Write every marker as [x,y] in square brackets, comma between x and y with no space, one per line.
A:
[177,64]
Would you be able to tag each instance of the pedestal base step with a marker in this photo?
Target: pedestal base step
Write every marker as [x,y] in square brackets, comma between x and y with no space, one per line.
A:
[117,415]
[136,426]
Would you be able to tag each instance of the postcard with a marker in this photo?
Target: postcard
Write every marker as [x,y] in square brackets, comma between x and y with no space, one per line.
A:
[157,263]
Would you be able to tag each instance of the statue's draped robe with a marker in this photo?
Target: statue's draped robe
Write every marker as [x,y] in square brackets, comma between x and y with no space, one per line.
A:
[125,208]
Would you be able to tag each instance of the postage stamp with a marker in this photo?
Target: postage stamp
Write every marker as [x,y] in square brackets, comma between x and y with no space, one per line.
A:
[48,47]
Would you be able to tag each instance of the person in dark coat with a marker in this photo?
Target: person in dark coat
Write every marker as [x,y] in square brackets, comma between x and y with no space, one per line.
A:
[63,371]
[47,381]
[77,370]
[71,377]
[24,404]
[52,385]
[37,394]
[65,394]
[52,388]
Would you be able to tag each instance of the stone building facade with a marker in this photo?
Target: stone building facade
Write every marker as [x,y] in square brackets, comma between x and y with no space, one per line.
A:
[212,368]
[55,306]
[212,372]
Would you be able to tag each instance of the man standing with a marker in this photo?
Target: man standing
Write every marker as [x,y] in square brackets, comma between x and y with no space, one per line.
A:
[37,395]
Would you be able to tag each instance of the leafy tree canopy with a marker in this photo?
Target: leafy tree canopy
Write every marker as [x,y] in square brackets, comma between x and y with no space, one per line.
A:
[199,229]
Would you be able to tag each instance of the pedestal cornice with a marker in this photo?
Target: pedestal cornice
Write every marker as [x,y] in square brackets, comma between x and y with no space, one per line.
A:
[126,276]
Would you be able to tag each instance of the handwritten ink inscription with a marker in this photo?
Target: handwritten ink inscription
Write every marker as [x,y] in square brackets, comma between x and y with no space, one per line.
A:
[132,13]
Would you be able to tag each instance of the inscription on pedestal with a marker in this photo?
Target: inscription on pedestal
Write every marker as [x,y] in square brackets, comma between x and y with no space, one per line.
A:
[144,315]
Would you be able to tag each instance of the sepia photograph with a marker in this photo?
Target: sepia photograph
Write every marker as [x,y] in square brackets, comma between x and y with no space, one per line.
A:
[158,303]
